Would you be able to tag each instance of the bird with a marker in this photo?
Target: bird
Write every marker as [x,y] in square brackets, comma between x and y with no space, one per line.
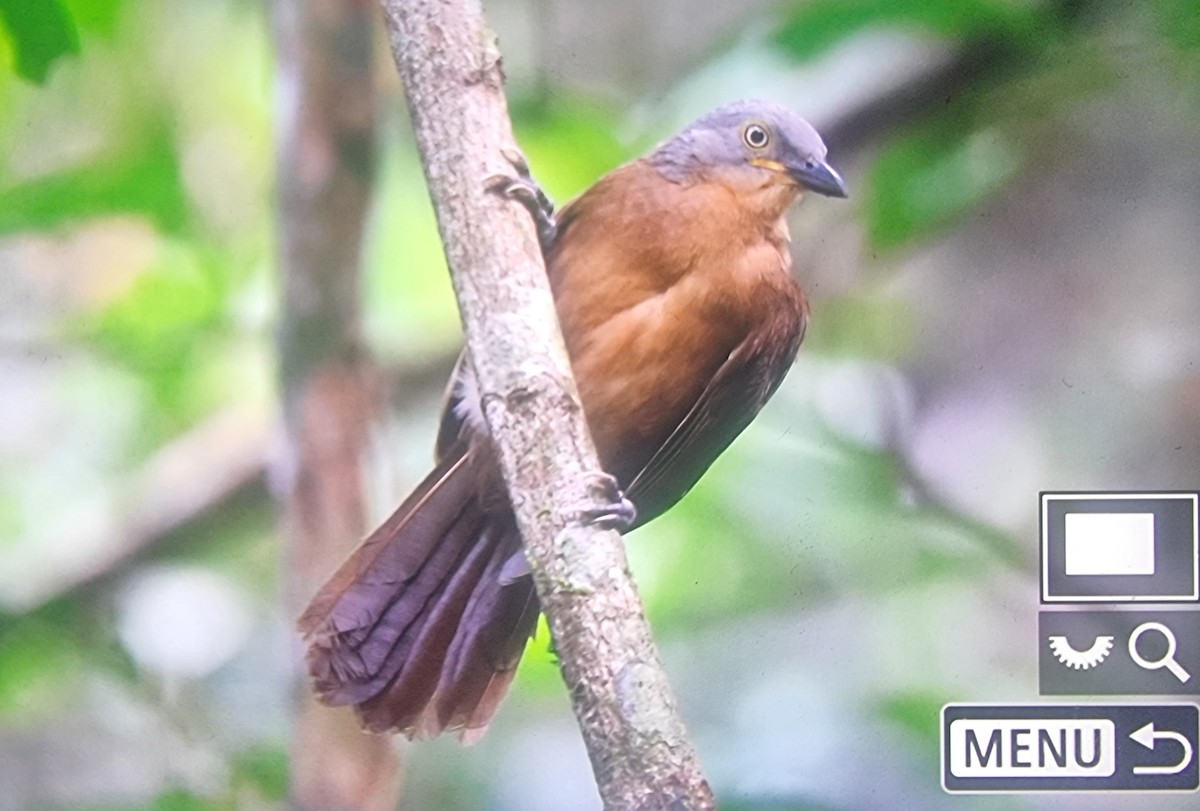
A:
[672,278]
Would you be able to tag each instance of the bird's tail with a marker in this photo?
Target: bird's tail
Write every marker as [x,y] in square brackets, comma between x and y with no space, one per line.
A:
[422,627]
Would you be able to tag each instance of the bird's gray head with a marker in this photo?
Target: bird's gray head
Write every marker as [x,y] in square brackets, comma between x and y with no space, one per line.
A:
[760,135]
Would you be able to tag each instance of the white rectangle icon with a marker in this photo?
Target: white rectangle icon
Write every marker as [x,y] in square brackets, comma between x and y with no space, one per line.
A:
[1033,747]
[1109,543]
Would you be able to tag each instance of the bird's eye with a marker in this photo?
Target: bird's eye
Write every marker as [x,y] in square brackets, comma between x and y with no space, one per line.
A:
[756,136]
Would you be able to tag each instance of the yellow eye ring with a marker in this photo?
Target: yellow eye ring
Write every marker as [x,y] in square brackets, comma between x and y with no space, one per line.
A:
[756,136]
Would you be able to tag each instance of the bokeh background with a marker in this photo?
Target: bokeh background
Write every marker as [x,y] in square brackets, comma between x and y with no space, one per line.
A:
[1006,304]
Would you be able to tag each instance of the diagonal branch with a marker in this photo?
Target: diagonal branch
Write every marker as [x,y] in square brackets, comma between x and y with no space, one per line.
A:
[450,66]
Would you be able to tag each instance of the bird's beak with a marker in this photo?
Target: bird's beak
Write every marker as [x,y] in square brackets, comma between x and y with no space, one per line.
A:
[817,176]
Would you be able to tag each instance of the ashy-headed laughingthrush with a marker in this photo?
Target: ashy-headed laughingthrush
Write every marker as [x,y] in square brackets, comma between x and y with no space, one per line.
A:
[673,283]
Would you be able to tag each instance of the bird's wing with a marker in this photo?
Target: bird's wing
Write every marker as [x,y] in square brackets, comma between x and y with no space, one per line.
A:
[736,393]
[453,417]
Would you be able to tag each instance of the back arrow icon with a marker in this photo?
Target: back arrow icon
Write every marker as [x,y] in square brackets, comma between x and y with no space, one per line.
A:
[1147,735]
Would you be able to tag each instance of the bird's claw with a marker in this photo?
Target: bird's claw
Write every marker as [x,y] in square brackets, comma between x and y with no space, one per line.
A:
[526,191]
[614,512]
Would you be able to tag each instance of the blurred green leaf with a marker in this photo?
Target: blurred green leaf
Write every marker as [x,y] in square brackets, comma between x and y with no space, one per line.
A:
[814,27]
[409,302]
[265,768]
[539,674]
[38,661]
[96,16]
[41,32]
[924,181]
[863,324]
[1179,22]
[179,800]
[706,546]
[846,502]
[142,179]
[569,142]
[163,329]
[163,307]
[915,712]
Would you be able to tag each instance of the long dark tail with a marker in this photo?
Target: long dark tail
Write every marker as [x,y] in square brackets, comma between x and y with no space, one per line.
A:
[422,628]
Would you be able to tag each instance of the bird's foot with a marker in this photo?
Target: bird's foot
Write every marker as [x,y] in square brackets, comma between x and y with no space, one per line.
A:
[526,191]
[614,512]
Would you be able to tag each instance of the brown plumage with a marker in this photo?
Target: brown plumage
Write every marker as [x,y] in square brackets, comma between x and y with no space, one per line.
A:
[673,284]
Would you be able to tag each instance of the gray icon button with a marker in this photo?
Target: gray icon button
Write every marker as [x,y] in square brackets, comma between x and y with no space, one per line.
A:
[1069,747]
[1119,652]
[1120,547]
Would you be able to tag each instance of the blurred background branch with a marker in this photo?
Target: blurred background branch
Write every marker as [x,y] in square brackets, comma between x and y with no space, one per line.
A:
[331,397]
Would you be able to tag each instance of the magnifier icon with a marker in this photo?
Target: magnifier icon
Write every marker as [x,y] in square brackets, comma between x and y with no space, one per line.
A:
[1167,660]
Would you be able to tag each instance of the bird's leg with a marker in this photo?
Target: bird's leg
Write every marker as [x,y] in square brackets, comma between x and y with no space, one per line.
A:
[615,512]
[526,191]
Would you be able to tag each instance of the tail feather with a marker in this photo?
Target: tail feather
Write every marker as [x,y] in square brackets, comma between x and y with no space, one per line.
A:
[479,688]
[349,603]
[484,660]
[367,666]
[421,629]
[497,685]
[414,670]
[480,609]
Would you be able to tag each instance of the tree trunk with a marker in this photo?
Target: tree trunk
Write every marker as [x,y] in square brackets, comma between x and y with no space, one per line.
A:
[331,397]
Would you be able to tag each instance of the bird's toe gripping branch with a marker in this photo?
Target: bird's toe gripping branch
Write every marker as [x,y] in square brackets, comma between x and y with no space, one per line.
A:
[526,191]
[615,512]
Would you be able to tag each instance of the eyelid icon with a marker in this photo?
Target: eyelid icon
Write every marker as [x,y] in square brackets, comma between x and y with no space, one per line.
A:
[1081,660]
